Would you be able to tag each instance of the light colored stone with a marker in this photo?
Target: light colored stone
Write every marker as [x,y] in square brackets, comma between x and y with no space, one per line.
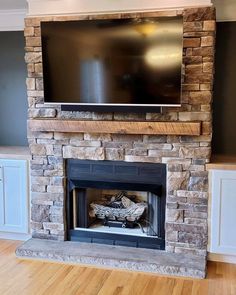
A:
[114,154]
[38,149]
[30,83]
[90,153]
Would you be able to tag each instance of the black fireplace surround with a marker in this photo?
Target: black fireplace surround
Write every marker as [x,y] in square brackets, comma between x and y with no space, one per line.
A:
[113,175]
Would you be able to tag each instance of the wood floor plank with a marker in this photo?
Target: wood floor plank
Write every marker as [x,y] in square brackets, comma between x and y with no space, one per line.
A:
[31,277]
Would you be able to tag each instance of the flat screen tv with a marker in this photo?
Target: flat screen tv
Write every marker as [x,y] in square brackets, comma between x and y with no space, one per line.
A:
[113,63]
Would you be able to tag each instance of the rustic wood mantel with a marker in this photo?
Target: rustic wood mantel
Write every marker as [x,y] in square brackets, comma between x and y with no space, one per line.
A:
[116,127]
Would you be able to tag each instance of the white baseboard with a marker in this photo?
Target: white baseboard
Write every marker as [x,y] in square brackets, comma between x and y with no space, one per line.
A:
[14,236]
[222,258]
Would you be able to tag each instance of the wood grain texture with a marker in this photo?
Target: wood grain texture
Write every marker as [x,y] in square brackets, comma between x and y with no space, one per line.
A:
[222,162]
[116,127]
[38,278]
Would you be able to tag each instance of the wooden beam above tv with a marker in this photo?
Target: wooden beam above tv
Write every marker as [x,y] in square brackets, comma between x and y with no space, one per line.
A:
[115,127]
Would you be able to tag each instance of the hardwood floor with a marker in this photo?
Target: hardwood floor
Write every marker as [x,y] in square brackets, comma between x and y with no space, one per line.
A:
[19,277]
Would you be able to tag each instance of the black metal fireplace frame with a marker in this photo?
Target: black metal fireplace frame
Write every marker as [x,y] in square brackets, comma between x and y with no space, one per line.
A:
[83,174]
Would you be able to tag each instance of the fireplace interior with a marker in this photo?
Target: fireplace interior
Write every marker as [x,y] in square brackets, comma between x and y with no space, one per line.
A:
[116,203]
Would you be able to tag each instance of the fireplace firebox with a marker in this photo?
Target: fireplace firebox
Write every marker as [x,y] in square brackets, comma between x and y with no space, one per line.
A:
[116,203]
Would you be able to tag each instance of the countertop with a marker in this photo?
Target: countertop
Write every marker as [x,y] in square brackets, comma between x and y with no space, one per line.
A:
[222,162]
[15,152]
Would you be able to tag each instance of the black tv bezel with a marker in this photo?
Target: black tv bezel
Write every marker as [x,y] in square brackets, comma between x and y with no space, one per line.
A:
[112,107]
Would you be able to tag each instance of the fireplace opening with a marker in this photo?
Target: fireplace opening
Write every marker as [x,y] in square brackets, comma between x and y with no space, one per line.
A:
[116,203]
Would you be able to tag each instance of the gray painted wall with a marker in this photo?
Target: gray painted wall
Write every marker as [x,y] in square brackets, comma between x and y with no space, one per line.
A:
[224,105]
[13,98]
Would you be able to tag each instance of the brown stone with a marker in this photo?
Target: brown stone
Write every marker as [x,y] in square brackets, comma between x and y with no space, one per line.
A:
[207,41]
[190,87]
[209,25]
[203,51]
[206,86]
[193,26]
[33,41]
[193,69]
[199,14]
[191,42]
[190,60]
[200,97]
[199,78]
[206,128]
[29,31]
[208,67]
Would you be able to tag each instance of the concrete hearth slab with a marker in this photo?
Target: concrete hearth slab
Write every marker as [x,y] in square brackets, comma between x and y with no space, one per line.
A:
[135,259]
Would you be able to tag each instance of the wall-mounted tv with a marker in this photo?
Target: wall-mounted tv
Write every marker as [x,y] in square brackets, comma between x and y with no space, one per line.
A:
[114,62]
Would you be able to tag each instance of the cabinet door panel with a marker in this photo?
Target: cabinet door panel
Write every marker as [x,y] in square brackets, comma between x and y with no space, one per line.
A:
[14,201]
[223,222]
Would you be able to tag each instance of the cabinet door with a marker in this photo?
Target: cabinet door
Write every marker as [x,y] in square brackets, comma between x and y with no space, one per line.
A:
[13,196]
[223,220]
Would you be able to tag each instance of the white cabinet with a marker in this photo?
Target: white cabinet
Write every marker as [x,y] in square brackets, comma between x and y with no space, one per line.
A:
[14,196]
[223,212]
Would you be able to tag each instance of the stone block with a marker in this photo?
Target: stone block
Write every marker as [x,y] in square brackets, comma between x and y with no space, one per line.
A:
[191,42]
[193,69]
[40,213]
[39,84]
[86,153]
[208,67]
[207,41]
[191,60]
[29,31]
[177,180]
[147,159]
[102,116]
[195,116]
[129,116]
[114,154]
[136,152]
[33,41]
[38,188]
[97,137]
[199,14]
[40,180]
[190,87]
[203,51]
[33,57]
[169,116]
[200,97]
[30,83]
[198,184]
[173,215]
[42,113]
[85,143]
[193,26]
[155,138]
[53,226]
[197,239]
[175,168]
[209,25]
[37,149]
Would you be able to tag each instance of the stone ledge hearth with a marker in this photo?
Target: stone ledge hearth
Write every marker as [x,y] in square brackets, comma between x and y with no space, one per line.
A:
[133,259]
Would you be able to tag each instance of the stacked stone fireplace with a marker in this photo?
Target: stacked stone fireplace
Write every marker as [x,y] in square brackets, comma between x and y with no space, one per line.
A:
[185,156]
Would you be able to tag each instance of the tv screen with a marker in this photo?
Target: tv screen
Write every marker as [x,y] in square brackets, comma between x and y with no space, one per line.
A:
[117,62]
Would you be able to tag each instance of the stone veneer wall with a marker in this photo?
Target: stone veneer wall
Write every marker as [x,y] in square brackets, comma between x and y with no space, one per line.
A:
[186,156]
